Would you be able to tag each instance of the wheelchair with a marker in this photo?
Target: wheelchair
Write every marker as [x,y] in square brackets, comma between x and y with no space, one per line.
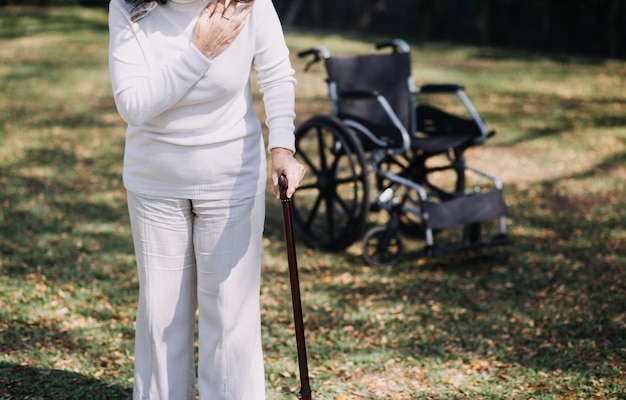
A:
[389,147]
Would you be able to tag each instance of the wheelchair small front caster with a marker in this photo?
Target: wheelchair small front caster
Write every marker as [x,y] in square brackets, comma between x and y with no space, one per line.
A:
[382,246]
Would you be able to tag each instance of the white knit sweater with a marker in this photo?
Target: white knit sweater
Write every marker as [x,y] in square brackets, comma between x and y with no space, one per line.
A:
[192,128]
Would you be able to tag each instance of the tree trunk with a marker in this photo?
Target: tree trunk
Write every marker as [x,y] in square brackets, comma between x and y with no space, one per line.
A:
[317,12]
[292,12]
[365,19]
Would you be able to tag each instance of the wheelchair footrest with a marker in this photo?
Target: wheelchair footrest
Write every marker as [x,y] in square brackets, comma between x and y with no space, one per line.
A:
[437,249]
[464,210]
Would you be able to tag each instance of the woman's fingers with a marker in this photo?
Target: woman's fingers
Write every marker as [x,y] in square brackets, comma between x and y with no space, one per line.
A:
[230,10]
[209,10]
[220,6]
[219,10]
[243,14]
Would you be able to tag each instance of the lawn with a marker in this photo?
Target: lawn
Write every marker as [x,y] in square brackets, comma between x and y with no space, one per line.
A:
[541,318]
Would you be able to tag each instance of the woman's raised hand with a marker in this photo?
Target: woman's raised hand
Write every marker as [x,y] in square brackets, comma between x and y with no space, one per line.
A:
[218,27]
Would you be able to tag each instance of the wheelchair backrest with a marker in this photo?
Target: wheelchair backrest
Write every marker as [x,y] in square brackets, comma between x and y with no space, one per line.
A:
[387,74]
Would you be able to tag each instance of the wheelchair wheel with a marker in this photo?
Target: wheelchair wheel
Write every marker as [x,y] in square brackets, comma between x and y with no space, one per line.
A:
[331,204]
[382,247]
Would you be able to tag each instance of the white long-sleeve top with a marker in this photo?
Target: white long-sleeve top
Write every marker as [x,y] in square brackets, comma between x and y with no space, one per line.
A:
[192,128]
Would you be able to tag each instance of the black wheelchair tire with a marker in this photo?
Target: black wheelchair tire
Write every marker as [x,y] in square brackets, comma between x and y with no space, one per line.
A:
[331,205]
[382,247]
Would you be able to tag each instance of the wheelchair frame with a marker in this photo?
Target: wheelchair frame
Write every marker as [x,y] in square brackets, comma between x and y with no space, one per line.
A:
[348,152]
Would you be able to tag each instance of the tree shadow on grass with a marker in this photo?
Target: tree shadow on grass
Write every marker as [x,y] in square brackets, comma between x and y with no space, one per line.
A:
[51,222]
[24,382]
[553,300]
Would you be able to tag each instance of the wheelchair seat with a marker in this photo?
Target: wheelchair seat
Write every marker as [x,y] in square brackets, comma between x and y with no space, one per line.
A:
[439,131]
[440,144]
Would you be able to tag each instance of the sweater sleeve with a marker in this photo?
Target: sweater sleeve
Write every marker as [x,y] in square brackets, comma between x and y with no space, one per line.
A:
[140,92]
[275,76]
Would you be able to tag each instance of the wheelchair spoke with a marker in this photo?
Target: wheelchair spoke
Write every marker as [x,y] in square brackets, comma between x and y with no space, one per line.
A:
[313,212]
[321,150]
[330,215]
[307,161]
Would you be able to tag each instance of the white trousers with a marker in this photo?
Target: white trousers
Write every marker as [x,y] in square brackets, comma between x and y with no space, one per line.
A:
[203,255]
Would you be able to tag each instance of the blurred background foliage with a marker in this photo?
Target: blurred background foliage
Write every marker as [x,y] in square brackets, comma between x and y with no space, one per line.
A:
[581,27]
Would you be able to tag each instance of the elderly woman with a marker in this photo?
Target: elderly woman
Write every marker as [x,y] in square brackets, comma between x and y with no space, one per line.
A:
[195,175]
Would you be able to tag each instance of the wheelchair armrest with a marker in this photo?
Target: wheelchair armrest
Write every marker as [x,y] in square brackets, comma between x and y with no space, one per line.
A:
[441,88]
[358,94]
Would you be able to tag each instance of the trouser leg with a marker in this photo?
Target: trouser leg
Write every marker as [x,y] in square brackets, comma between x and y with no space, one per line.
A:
[164,338]
[227,241]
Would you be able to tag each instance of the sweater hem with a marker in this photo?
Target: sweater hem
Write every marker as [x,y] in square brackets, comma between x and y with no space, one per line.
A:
[200,192]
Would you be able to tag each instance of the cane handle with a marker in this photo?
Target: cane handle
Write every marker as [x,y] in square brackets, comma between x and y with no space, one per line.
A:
[282,186]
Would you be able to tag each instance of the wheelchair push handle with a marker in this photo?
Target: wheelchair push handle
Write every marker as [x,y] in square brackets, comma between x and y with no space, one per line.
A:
[398,45]
[317,53]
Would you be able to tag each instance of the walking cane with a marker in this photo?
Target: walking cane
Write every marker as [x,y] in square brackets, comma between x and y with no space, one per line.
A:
[305,388]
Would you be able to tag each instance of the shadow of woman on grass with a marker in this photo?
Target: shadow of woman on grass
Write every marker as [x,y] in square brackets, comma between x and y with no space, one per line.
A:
[24,382]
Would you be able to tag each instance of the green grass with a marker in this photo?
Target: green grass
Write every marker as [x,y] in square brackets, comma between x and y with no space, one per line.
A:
[542,318]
